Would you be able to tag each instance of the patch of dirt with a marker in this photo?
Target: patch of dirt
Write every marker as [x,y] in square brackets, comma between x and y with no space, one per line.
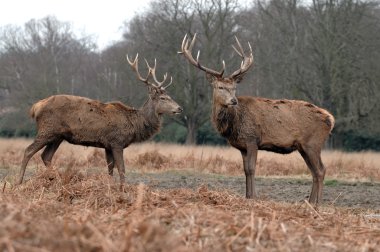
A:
[337,193]
[287,189]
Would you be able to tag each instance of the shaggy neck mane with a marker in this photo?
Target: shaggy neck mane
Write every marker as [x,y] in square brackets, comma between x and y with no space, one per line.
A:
[150,121]
[224,118]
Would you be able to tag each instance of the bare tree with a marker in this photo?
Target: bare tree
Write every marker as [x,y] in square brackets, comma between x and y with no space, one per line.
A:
[341,49]
[40,59]
[44,55]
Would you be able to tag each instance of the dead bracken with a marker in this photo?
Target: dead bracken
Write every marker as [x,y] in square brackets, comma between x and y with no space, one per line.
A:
[77,207]
[70,211]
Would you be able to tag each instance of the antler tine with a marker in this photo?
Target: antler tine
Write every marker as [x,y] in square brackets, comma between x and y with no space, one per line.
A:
[186,48]
[171,81]
[250,49]
[223,68]
[239,45]
[236,50]
[190,48]
[162,82]
[183,45]
[247,61]
[130,62]
[135,67]
[153,71]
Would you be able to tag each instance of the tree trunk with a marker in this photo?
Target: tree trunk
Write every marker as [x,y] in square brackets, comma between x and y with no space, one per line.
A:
[191,138]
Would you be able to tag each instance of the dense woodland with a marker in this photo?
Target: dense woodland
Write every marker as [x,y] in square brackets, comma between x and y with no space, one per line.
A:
[323,51]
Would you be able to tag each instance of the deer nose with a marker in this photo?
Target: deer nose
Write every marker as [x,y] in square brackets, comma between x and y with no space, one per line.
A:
[179,110]
[234,101]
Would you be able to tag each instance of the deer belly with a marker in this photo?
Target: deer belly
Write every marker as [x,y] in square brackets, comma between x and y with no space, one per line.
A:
[277,148]
[278,144]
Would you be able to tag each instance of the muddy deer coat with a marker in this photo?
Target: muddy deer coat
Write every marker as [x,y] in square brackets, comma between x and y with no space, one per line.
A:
[253,123]
[112,126]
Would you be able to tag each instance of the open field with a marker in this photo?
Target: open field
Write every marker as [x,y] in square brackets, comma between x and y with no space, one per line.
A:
[181,198]
[152,157]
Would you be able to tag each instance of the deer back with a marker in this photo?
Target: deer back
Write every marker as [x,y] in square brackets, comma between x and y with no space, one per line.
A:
[84,121]
[284,123]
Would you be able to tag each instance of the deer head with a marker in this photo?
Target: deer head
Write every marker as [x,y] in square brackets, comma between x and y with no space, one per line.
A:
[224,87]
[157,91]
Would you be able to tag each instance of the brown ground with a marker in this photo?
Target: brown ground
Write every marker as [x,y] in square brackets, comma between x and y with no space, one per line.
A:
[352,180]
[179,199]
[337,193]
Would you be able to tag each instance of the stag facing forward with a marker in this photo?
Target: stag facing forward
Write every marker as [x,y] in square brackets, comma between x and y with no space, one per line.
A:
[112,126]
[253,123]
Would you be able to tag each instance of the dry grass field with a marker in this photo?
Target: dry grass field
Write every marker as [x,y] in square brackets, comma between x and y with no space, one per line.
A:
[77,207]
[153,157]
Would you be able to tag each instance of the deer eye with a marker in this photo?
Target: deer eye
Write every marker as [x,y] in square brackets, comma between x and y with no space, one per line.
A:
[162,98]
[220,87]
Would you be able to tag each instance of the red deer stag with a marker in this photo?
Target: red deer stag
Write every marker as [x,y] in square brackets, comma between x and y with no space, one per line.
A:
[112,126]
[253,123]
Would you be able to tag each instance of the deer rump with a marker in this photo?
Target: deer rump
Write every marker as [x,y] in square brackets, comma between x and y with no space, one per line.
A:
[83,121]
[280,126]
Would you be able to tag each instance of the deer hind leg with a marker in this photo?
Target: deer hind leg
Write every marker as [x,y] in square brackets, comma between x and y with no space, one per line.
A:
[110,162]
[118,159]
[313,160]
[37,145]
[249,162]
[49,151]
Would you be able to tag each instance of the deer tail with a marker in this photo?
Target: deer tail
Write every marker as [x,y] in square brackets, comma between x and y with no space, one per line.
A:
[35,110]
[331,121]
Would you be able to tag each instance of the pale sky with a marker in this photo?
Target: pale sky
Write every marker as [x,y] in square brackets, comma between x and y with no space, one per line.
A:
[101,18]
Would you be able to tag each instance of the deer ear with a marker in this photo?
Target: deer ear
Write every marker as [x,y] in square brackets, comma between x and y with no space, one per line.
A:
[239,78]
[210,78]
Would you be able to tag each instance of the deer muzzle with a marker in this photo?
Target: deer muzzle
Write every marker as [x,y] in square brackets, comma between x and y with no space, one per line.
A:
[178,111]
[233,102]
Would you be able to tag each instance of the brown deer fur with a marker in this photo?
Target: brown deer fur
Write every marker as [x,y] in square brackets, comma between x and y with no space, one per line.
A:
[82,121]
[253,123]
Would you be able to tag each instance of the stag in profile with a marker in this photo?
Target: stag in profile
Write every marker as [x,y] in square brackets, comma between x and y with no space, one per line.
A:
[112,126]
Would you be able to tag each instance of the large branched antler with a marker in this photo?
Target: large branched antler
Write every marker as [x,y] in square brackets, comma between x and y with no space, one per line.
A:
[246,63]
[151,72]
[186,48]
[135,66]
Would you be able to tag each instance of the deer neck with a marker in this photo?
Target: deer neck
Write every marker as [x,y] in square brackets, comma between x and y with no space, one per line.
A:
[149,110]
[224,118]
[150,121]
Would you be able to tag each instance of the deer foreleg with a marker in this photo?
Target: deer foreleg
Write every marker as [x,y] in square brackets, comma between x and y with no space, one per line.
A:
[249,162]
[37,145]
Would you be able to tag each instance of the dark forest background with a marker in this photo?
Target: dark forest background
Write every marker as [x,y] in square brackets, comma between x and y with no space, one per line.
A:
[323,51]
